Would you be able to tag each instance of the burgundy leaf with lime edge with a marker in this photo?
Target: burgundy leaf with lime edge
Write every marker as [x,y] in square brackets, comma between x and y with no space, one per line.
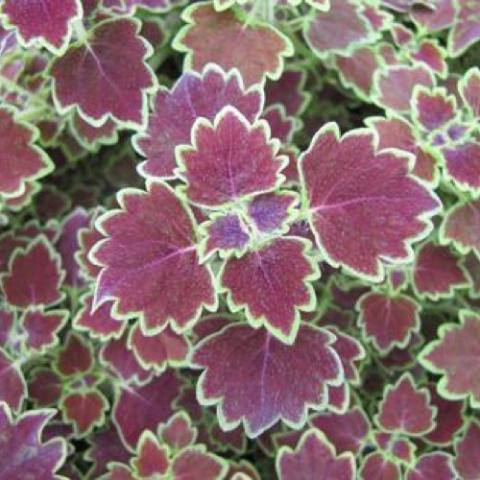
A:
[461,226]
[34,277]
[106,76]
[437,272]
[159,350]
[467,449]
[41,328]
[375,467]
[363,204]
[314,457]
[142,408]
[178,432]
[46,21]
[395,85]
[75,357]
[21,160]
[405,408]
[249,375]
[151,248]
[273,284]
[388,321]
[454,356]
[152,458]
[347,431]
[13,389]
[175,111]
[230,159]
[271,211]
[224,233]
[433,109]
[85,410]
[462,165]
[226,39]
[338,30]
[435,465]
[195,462]
[24,434]
[98,323]
[469,87]
[121,362]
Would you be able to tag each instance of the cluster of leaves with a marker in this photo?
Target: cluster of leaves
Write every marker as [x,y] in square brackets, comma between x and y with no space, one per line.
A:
[201,277]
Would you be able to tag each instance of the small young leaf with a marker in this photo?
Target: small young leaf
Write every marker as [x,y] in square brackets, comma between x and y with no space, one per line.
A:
[178,432]
[224,233]
[85,410]
[388,321]
[433,109]
[41,328]
[406,409]
[152,458]
[270,212]
[75,357]
[34,276]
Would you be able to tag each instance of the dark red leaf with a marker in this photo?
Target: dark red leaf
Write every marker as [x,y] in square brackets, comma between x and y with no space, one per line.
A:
[105,75]
[249,376]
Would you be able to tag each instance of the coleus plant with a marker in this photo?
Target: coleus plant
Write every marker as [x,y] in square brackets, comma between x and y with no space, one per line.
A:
[240,239]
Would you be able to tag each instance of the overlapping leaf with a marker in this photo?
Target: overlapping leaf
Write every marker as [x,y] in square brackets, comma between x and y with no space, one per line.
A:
[363,204]
[150,248]
[249,375]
